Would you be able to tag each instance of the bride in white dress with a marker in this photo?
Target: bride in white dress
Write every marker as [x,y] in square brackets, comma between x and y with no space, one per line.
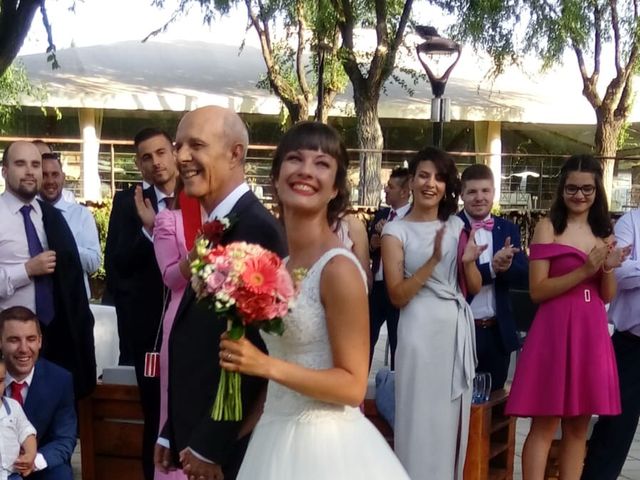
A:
[311,427]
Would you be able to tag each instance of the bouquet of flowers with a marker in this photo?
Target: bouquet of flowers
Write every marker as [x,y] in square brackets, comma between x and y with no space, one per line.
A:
[246,285]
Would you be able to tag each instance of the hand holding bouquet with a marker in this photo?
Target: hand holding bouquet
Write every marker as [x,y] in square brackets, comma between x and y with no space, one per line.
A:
[246,285]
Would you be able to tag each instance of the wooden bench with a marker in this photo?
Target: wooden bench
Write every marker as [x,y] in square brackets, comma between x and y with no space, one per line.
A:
[491,447]
[111,426]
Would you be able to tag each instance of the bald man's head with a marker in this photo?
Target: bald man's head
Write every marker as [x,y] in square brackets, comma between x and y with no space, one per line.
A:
[22,170]
[211,143]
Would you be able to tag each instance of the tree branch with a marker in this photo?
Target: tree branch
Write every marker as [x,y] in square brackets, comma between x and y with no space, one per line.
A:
[346,23]
[280,88]
[302,29]
[615,25]
[588,87]
[597,48]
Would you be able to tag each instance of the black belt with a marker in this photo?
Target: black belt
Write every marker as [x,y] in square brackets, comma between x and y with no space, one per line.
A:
[486,322]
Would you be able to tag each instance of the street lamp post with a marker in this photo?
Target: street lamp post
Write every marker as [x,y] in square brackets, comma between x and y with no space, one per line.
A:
[438,56]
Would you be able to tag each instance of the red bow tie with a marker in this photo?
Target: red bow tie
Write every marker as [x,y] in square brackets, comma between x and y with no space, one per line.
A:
[486,224]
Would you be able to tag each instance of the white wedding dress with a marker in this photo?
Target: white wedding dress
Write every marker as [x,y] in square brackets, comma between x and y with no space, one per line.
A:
[299,438]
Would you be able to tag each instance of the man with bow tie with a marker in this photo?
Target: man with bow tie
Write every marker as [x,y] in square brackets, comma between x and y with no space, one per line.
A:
[502,265]
[138,287]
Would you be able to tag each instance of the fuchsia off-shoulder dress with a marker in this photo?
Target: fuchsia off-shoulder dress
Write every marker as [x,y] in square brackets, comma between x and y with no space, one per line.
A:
[567,366]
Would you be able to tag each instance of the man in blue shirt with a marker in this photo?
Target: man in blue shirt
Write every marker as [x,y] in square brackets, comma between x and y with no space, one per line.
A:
[612,436]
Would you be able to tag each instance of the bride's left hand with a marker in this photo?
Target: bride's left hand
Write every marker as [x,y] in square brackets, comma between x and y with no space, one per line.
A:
[242,356]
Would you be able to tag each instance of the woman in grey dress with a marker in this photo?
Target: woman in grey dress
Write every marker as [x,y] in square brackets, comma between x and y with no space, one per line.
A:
[435,360]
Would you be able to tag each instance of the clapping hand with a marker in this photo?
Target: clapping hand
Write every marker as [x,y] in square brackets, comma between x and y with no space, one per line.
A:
[145,210]
[472,250]
[596,258]
[501,261]
[616,256]
[437,244]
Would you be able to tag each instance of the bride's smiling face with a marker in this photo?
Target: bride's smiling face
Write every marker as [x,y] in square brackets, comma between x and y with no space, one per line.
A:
[307,180]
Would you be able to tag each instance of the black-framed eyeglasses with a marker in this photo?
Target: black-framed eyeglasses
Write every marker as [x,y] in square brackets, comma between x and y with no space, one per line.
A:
[586,190]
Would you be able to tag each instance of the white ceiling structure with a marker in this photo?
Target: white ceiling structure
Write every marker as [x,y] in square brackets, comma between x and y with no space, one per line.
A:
[183,75]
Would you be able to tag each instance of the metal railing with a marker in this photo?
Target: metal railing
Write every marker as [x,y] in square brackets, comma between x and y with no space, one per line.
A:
[528,181]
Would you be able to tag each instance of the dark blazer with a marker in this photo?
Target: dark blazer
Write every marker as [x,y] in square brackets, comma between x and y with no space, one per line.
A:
[68,339]
[194,370]
[516,277]
[139,289]
[113,283]
[50,408]
[381,214]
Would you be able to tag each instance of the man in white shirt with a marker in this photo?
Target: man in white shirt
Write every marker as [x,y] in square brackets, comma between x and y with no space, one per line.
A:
[502,265]
[78,217]
[43,389]
[47,154]
[40,267]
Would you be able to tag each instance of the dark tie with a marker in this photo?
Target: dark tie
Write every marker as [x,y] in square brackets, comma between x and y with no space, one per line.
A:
[392,215]
[169,202]
[16,392]
[43,283]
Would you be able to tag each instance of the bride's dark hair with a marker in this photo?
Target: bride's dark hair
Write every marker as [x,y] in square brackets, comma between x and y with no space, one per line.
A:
[326,139]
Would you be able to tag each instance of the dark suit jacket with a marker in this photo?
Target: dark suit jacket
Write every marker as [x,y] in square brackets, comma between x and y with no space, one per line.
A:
[381,214]
[50,408]
[138,288]
[113,283]
[194,370]
[68,339]
[516,276]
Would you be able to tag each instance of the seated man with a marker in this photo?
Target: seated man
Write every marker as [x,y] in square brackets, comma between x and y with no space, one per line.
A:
[45,391]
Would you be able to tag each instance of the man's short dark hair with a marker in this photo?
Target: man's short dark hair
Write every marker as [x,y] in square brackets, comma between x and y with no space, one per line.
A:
[20,314]
[52,156]
[150,132]
[477,171]
[5,154]
[402,175]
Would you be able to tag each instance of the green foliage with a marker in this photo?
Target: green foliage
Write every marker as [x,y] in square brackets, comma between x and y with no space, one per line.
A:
[510,29]
[101,215]
[14,85]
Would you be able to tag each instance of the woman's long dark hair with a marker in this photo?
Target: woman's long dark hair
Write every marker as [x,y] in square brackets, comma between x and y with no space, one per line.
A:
[447,172]
[326,139]
[598,218]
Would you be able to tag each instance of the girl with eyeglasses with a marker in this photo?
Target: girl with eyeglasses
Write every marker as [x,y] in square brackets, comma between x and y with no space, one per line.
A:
[567,370]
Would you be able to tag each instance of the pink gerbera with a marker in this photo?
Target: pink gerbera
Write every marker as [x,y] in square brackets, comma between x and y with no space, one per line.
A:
[260,275]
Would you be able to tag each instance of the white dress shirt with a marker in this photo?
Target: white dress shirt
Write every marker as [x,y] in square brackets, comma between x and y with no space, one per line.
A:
[84,230]
[16,288]
[400,214]
[40,462]
[225,206]
[483,304]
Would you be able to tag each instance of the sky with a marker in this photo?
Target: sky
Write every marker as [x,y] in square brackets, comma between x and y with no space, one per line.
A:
[98,22]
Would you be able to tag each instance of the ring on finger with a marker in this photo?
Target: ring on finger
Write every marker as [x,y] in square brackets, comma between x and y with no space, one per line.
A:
[228,357]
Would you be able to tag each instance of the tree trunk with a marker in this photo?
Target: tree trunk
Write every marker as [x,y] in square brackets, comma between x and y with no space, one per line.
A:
[369,138]
[14,26]
[608,129]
